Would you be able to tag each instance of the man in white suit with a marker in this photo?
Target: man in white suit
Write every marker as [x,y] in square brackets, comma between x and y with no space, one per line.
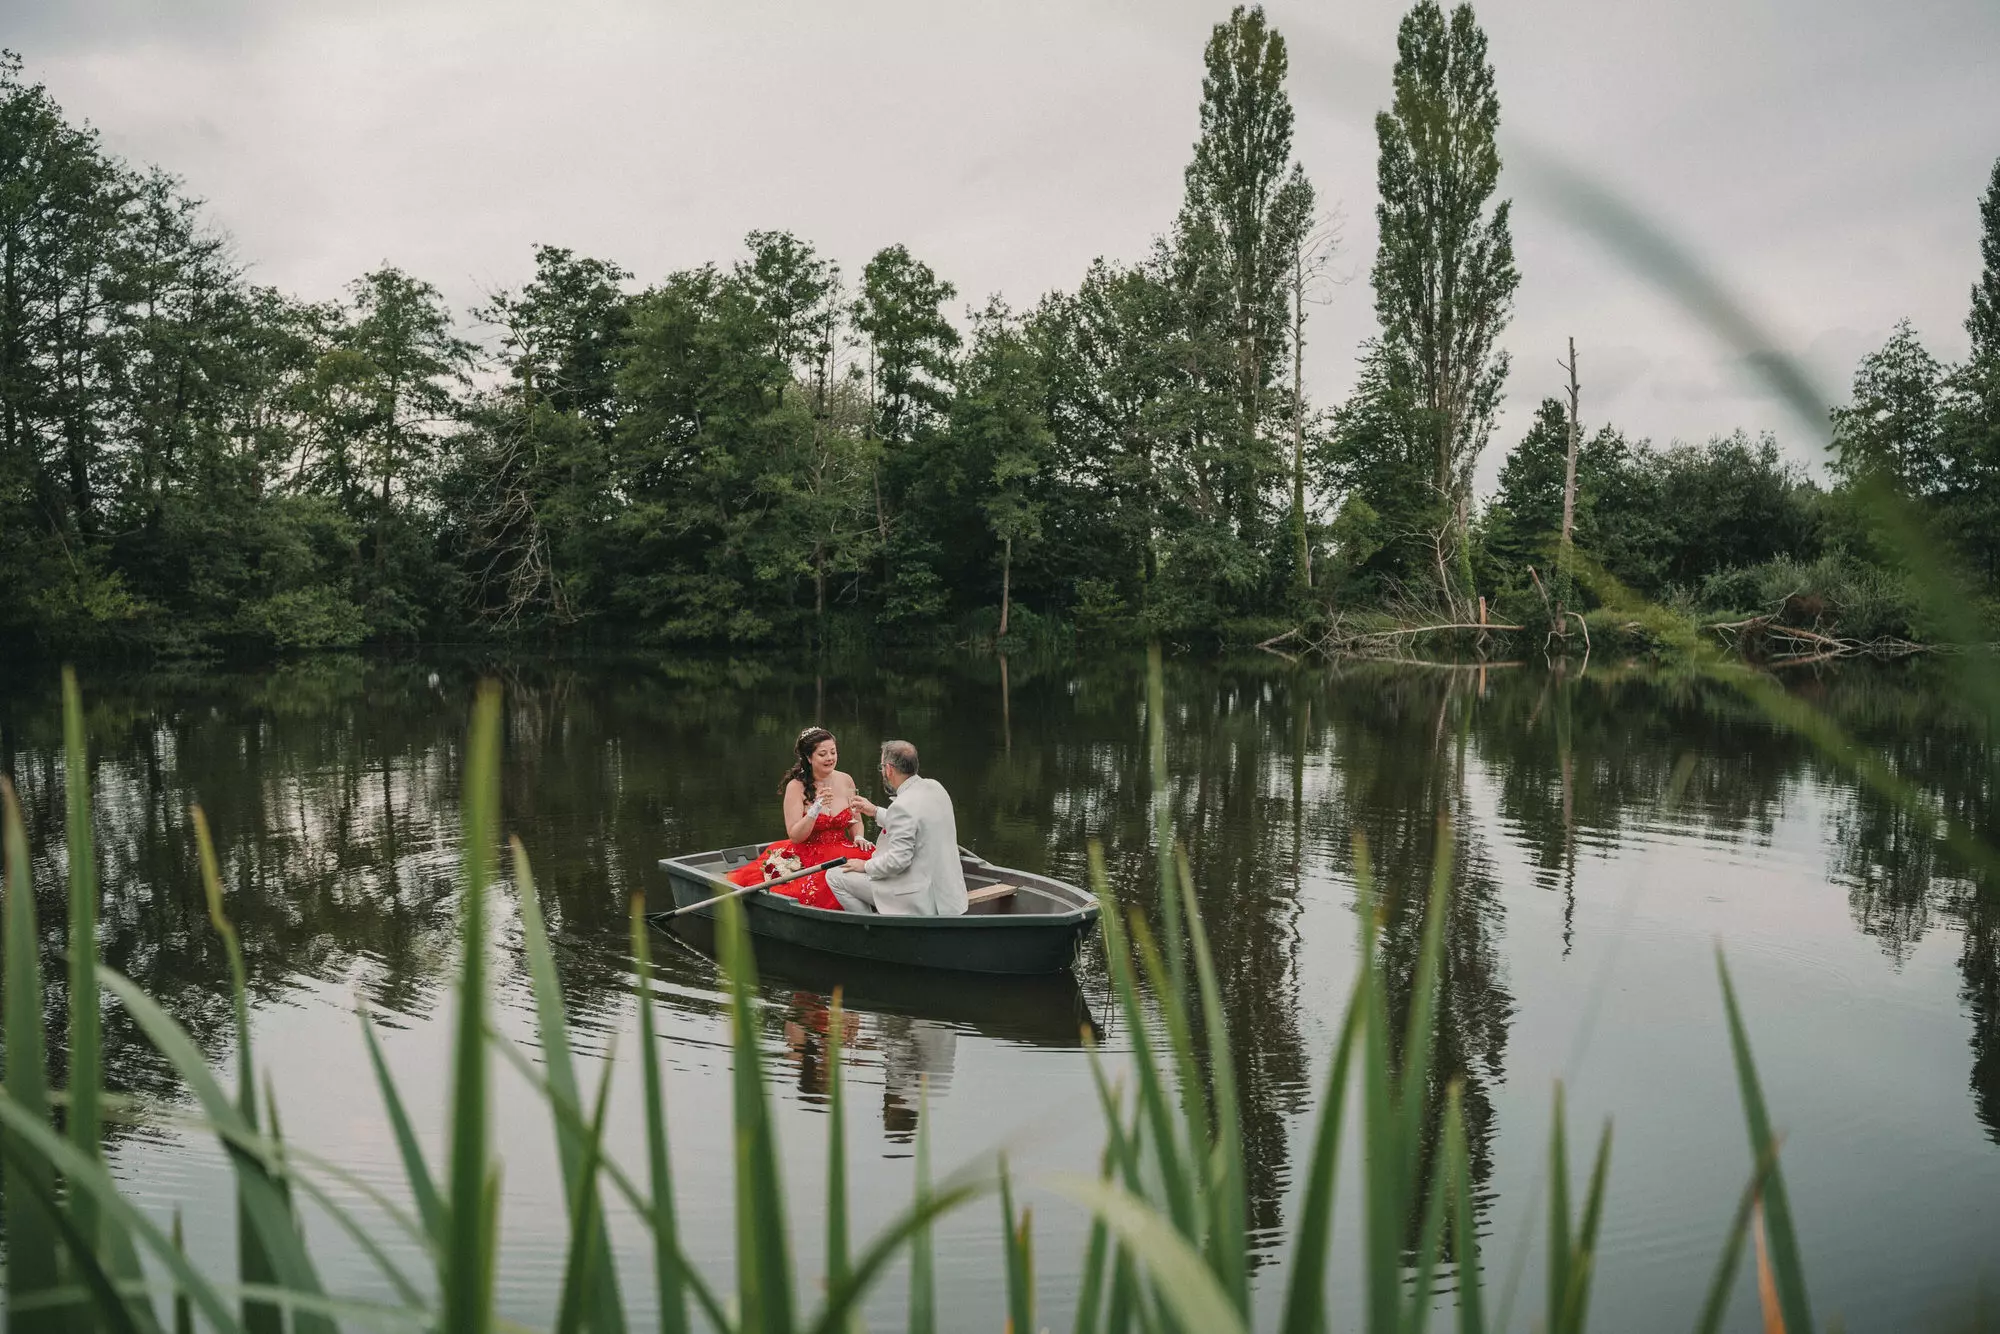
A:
[915,871]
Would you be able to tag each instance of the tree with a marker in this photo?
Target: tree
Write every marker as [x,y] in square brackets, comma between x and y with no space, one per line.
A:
[1444,271]
[1984,321]
[1894,430]
[911,343]
[1001,437]
[1247,211]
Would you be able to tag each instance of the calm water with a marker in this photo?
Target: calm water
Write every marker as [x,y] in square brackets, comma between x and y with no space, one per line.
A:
[1611,830]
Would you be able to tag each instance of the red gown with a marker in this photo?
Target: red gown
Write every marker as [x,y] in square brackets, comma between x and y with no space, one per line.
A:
[828,840]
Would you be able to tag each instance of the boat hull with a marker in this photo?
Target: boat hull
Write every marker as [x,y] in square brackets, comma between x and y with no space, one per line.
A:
[1039,929]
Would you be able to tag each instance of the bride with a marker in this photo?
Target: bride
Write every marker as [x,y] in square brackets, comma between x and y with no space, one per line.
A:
[818,824]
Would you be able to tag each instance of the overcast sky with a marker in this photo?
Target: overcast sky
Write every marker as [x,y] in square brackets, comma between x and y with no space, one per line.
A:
[1823,157]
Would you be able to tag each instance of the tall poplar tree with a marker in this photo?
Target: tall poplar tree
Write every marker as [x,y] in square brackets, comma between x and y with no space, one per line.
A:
[1444,273]
[1248,207]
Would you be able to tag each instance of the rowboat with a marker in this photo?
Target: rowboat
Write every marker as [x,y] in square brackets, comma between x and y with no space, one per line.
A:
[1014,922]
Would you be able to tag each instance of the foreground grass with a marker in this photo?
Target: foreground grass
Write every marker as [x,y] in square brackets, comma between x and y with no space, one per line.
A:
[1168,1243]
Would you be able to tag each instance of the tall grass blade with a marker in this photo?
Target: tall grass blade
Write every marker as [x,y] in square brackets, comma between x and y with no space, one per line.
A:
[552,1026]
[468,1291]
[1017,1237]
[667,1263]
[1430,1244]
[1465,1218]
[1384,1206]
[836,1146]
[29,1138]
[29,1181]
[259,1192]
[1583,1266]
[1305,1291]
[1723,1284]
[430,1209]
[1090,1289]
[183,1310]
[843,1303]
[1229,1228]
[99,1304]
[86,1037]
[1559,1242]
[583,1292]
[1153,1103]
[255,1264]
[1789,1270]
[763,1255]
[1183,1283]
[923,1278]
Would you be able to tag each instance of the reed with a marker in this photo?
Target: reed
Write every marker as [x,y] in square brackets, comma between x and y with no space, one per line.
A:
[1168,1244]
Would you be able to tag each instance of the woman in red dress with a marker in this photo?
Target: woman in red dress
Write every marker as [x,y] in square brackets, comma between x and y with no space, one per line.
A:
[819,827]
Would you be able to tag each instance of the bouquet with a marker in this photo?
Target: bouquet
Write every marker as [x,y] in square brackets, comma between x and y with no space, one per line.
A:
[781,862]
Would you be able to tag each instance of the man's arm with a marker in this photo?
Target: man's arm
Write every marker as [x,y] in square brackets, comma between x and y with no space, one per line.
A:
[895,843]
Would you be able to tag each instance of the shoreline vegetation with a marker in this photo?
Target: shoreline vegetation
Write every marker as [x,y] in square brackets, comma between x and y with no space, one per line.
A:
[1170,1236]
[771,451]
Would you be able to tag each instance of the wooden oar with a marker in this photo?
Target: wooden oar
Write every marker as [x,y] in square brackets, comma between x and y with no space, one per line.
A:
[799,874]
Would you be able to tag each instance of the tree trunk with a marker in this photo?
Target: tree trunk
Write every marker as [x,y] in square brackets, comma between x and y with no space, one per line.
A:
[1299,415]
[1569,464]
[1006,582]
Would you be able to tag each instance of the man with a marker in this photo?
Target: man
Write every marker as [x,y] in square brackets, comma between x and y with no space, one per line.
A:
[915,871]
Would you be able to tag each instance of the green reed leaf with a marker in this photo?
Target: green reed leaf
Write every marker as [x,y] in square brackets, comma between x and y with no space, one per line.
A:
[1229,1232]
[86,1037]
[923,1279]
[1788,1269]
[1305,1291]
[1465,1218]
[30,1140]
[1583,1266]
[415,1170]
[1182,1281]
[837,1262]
[1016,1239]
[256,1266]
[552,1027]
[667,1262]
[99,1296]
[1154,1106]
[763,1255]
[691,1280]
[1090,1290]
[1716,1305]
[583,1294]
[843,1302]
[1559,1240]
[183,1310]
[29,1182]
[468,1286]
[259,1188]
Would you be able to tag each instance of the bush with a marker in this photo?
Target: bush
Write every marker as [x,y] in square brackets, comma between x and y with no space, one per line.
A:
[1835,594]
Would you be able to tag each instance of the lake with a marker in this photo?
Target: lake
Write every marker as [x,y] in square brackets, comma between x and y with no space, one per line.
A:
[1612,827]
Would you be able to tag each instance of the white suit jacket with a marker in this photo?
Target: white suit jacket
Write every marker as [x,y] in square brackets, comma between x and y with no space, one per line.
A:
[916,853]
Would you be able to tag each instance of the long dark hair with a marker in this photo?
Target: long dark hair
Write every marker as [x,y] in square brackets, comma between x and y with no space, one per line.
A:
[809,741]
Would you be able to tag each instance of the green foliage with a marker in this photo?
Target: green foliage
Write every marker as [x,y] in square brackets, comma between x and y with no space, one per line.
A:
[1444,271]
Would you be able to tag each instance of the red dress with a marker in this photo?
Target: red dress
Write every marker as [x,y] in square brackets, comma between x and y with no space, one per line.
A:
[828,840]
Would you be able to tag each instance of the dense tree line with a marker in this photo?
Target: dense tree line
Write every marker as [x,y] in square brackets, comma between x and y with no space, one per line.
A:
[774,450]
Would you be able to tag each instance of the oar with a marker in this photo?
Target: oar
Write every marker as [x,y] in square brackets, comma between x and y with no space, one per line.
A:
[800,874]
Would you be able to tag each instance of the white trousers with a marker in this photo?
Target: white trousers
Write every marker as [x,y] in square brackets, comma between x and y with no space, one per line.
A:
[856,893]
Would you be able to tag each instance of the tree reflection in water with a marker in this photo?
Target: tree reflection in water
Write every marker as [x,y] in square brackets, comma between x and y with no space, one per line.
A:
[332,787]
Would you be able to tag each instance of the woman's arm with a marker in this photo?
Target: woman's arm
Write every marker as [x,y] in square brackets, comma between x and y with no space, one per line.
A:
[857,832]
[799,814]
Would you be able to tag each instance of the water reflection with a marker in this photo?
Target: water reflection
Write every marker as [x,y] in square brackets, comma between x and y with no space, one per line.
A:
[332,787]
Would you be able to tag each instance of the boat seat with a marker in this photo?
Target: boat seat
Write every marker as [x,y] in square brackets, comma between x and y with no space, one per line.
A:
[987,893]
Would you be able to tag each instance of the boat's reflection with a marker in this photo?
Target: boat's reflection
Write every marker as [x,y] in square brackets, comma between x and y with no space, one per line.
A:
[907,1020]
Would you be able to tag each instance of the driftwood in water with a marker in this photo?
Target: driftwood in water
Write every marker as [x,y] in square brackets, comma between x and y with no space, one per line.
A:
[1768,639]
[1340,640]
